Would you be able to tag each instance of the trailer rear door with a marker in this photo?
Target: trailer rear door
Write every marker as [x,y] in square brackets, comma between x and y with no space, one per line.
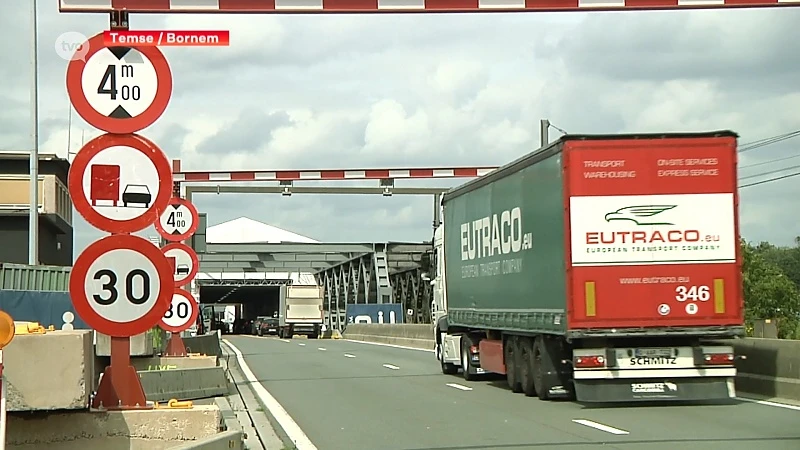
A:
[653,232]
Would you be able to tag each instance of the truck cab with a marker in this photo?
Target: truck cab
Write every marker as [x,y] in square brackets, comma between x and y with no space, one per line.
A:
[448,346]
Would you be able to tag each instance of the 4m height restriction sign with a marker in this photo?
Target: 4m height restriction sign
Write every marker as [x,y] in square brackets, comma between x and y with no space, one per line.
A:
[178,221]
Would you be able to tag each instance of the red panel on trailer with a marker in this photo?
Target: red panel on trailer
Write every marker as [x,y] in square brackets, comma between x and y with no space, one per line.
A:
[653,232]
[491,352]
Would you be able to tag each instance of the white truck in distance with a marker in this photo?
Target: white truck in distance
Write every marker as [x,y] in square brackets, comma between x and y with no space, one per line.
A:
[301,311]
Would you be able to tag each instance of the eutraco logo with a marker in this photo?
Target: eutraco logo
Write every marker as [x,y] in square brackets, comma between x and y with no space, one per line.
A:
[642,215]
[652,229]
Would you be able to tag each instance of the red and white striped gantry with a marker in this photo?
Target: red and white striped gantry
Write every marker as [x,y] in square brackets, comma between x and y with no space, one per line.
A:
[399,6]
[328,174]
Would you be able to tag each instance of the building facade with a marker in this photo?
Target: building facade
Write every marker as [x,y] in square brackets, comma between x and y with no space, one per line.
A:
[55,209]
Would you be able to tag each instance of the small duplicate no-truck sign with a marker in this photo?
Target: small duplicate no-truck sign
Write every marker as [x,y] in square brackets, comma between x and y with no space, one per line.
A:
[182,312]
[121,285]
[120,183]
[119,90]
[184,262]
[178,221]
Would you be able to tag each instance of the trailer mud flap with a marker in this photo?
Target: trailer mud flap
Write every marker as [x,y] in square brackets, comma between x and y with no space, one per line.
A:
[648,390]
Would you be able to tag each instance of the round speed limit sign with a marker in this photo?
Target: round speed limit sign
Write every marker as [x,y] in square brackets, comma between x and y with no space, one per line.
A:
[182,312]
[121,285]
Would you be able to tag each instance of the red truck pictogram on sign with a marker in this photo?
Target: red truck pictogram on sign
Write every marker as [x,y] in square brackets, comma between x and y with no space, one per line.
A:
[105,183]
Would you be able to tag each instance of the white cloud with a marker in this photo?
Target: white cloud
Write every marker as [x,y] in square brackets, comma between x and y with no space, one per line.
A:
[311,92]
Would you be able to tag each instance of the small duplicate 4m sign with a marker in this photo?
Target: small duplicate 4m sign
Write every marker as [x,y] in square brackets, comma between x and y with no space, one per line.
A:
[180,316]
[178,221]
[119,90]
[120,183]
[121,285]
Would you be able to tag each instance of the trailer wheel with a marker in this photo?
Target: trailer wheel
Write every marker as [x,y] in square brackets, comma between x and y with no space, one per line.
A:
[512,366]
[466,343]
[538,361]
[526,366]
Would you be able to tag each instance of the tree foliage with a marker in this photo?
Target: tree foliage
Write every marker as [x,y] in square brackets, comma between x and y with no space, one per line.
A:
[771,278]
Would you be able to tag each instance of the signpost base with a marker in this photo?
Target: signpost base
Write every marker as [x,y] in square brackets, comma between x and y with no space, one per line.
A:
[120,387]
[175,346]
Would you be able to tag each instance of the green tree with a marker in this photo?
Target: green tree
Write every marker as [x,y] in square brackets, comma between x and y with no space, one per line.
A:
[768,291]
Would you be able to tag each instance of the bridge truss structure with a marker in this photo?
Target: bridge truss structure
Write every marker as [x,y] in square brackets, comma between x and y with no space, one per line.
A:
[352,273]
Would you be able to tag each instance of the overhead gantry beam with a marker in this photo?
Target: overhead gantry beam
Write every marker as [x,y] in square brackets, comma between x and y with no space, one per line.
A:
[287,188]
[399,6]
[302,257]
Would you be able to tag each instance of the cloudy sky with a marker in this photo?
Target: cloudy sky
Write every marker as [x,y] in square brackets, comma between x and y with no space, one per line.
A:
[313,92]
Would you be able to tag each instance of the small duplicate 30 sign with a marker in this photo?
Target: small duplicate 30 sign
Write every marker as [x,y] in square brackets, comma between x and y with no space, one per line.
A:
[121,285]
[178,221]
[119,89]
[182,312]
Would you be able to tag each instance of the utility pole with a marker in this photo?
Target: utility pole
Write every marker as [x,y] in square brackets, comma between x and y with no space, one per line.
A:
[544,128]
[33,227]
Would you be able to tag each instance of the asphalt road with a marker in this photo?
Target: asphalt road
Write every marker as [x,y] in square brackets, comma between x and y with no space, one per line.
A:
[355,396]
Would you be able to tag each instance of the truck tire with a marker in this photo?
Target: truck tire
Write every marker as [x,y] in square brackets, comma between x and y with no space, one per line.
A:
[540,356]
[466,343]
[447,368]
[526,366]
[512,365]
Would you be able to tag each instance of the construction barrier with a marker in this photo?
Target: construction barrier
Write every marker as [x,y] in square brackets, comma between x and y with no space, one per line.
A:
[225,440]
[770,367]
[184,384]
[206,344]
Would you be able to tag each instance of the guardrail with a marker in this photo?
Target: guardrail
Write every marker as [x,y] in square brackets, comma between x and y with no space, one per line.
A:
[771,367]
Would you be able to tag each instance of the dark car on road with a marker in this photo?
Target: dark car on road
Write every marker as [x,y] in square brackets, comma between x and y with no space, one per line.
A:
[268,326]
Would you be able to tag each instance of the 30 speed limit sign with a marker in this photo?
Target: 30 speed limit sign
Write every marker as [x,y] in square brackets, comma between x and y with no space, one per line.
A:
[121,285]
[182,312]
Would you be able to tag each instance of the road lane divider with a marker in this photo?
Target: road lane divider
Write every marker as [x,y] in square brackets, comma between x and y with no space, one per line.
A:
[322,349]
[285,421]
[459,387]
[600,426]
[348,355]
[391,366]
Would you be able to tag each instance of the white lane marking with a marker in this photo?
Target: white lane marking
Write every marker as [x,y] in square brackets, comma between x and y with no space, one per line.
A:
[600,426]
[322,349]
[348,355]
[430,350]
[769,403]
[390,366]
[290,427]
[302,345]
[460,387]
[285,340]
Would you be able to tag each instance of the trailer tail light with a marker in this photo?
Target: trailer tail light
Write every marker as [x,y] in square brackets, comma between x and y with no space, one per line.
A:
[718,359]
[589,362]
[473,349]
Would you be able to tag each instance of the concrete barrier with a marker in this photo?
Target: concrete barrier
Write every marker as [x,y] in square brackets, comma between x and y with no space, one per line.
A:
[770,367]
[408,335]
[51,371]
[207,344]
[184,384]
[221,441]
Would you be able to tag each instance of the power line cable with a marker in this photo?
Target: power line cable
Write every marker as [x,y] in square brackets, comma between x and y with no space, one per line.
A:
[771,172]
[769,180]
[768,141]
[770,161]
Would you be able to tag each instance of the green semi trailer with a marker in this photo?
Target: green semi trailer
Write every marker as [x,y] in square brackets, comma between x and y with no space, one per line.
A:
[599,268]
